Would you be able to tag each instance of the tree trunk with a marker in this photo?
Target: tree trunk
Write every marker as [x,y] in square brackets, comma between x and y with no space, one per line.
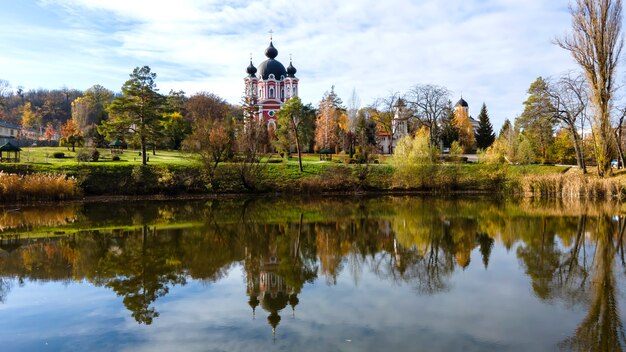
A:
[578,149]
[144,160]
[299,154]
[620,153]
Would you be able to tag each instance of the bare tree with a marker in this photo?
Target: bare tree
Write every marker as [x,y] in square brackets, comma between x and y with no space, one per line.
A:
[354,103]
[569,97]
[382,110]
[429,104]
[4,89]
[596,44]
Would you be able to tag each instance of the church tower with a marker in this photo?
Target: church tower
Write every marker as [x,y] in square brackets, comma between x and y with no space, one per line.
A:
[269,86]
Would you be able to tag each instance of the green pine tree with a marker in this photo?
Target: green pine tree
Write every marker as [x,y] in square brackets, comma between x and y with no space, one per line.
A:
[484,134]
[138,110]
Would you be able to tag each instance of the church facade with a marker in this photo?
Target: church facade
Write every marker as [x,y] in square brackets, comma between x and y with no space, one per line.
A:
[269,87]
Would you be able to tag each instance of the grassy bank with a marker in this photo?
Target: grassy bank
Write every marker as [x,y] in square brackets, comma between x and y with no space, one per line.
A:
[172,173]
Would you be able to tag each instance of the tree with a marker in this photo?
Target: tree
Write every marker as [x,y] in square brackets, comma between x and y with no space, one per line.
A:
[327,123]
[49,133]
[4,88]
[90,109]
[449,131]
[569,97]
[596,44]
[537,119]
[71,135]
[466,129]
[294,124]
[206,105]
[382,111]
[175,126]
[138,109]
[563,148]
[430,105]
[212,141]
[484,133]
[30,117]
[365,130]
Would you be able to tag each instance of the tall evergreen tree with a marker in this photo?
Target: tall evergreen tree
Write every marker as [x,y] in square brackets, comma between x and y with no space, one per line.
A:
[537,119]
[484,134]
[138,110]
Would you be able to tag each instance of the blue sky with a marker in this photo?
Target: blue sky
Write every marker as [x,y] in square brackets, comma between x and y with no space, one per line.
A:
[487,50]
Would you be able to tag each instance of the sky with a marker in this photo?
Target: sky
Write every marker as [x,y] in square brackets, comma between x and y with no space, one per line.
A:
[484,50]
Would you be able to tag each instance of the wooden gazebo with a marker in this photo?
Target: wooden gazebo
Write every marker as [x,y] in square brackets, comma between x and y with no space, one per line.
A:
[6,150]
[117,146]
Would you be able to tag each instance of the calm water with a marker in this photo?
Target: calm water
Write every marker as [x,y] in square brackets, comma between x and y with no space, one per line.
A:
[381,274]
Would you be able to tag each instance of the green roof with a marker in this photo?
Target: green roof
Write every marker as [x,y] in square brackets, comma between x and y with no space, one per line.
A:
[9,147]
[117,143]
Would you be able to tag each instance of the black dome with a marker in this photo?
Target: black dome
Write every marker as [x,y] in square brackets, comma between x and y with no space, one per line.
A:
[251,70]
[462,103]
[291,71]
[271,66]
[271,52]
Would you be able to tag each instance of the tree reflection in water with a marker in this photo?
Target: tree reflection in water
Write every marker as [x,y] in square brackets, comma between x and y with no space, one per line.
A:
[141,250]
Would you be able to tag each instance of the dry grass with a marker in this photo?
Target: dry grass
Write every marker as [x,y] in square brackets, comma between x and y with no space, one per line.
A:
[571,186]
[34,187]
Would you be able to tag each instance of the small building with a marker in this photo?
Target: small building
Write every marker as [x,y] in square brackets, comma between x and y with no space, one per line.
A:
[8,132]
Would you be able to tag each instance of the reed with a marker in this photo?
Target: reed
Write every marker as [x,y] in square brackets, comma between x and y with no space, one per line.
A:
[36,187]
[568,186]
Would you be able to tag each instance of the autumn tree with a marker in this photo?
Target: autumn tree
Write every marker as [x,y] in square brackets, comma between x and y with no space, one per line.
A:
[484,133]
[212,141]
[30,117]
[294,125]
[49,132]
[327,128]
[71,136]
[596,44]
[138,110]
[466,129]
[206,105]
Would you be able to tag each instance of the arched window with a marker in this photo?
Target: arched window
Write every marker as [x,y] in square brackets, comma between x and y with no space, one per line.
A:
[271,92]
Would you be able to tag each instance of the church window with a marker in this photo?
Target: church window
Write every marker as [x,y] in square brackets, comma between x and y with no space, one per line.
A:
[271,92]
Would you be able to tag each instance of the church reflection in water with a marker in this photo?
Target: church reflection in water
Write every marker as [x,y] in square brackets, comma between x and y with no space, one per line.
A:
[265,287]
[573,254]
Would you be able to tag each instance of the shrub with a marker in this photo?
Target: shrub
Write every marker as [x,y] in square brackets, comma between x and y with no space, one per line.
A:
[88,155]
[58,155]
[115,158]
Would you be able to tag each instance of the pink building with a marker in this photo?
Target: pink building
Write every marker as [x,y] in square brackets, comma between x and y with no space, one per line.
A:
[269,86]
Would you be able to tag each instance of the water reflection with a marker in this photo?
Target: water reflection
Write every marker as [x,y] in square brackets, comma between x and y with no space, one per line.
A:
[141,251]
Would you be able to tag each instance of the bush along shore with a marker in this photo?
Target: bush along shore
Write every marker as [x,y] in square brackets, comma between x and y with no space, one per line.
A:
[24,182]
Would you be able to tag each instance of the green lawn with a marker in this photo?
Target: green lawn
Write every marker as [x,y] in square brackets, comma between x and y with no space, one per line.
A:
[41,159]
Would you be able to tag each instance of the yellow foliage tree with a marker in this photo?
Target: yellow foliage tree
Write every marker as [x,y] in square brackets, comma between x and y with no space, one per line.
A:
[30,117]
[466,130]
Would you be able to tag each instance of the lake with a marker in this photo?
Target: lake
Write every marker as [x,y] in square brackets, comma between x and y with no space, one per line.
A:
[369,274]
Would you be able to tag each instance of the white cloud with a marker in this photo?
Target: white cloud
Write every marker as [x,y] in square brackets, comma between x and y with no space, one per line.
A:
[487,50]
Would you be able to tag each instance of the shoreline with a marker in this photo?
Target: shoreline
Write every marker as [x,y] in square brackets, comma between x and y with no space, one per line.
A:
[273,195]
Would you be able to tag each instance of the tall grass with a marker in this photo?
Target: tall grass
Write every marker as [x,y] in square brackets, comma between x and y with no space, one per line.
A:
[35,187]
[569,186]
